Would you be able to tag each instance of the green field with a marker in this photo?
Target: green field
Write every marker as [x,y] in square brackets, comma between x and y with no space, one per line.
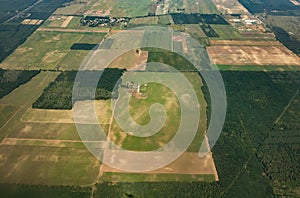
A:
[257,68]
[42,50]
[131,8]
[69,10]
[6,112]
[153,94]
[20,99]
[74,58]
[226,32]
[46,165]
[168,100]
[169,58]
[200,6]
[153,20]
[46,50]
[120,8]
[165,20]
[40,153]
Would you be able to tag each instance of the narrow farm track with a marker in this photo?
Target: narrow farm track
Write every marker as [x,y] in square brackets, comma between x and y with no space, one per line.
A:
[285,109]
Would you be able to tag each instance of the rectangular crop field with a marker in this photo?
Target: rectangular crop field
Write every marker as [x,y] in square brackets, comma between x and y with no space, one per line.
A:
[200,6]
[42,50]
[47,165]
[152,20]
[226,32]
[252,55]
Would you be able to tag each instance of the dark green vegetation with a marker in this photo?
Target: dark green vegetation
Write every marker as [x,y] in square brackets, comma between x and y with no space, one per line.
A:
[8,8]
[281,150]
[278,7]
[158,189]
[169,58]
[58,95]
[255,101]
[83,46]
[9,80]
[288,40]
[181,18]
[262,124]
[14,190]
[12,32]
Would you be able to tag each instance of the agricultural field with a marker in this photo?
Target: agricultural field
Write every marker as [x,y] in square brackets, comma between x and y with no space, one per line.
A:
[200,6]
[195,31]
[150,94]
[253,55]
[226,32]
[230,7]
[12,32]
[169,58]
[70,9]
[244,43]
[152,20]
[41,152]
[132,60]
[119,8]
[165,20]
[46,50]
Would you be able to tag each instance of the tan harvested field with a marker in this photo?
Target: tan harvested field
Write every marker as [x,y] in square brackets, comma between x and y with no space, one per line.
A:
[66,22]
[187,163]
[230,6]
[102,108]
[244,43]
[131,60]
[252,55]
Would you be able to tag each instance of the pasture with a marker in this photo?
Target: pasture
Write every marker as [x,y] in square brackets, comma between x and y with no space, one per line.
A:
[195,31]
[226,32]
[46,50]
[200,6]
[139,112]
[69,9]
[46,165]
[119,8]
[151,20]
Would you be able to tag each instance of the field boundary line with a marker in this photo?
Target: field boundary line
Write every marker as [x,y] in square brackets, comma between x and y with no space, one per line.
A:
[71,30]
[11,118]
